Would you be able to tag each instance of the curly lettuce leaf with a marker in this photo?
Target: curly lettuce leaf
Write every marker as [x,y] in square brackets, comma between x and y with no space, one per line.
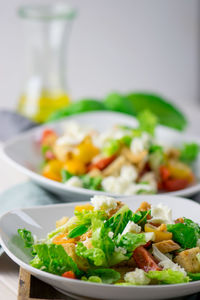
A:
[186,234]
[119,220]
[168,276]
[54,259]
[27,237]
[92,183]
[95,256]
[130,241]
[107,275]
[189,152]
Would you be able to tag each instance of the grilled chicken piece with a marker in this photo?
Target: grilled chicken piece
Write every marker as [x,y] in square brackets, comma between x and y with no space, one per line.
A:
[114,168]
[80,261]
[167,246]
[188,260]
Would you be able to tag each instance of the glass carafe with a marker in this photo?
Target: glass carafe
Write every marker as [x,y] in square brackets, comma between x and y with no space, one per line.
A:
[47,29]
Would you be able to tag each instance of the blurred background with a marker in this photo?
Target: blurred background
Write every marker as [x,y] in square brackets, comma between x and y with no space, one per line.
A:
[121,45]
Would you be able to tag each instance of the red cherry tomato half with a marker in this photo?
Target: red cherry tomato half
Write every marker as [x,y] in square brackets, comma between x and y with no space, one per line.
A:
[69,274]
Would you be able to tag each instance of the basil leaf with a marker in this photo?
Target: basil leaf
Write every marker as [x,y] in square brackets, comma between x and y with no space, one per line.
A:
[27,237]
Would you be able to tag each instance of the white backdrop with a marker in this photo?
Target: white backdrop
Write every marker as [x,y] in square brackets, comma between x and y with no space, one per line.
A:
[116,45]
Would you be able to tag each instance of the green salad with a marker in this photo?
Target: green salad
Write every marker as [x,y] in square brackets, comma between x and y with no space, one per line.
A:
[106,242]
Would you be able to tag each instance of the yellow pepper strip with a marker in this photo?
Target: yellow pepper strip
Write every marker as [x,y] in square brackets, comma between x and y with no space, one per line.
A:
[52,170]
[180,170]
[62,239]
[159,235]
[86,206]
[85,151]
[75,166]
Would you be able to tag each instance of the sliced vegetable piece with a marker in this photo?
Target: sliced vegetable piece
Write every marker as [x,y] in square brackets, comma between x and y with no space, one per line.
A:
[102,163]
[159,235]
[144,260]
[69,274]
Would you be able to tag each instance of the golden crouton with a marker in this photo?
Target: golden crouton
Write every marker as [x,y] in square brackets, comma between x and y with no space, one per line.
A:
[144,206]
[80,261]
[62,152]
[94,172]
[86,235]
[188,260]
[88,243]
[167,246]
[114,168]
[61,222]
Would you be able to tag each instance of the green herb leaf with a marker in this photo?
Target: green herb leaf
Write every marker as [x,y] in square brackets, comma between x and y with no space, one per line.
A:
[76,108]
[77,231]
[189,152]
[194,276]
[65,175]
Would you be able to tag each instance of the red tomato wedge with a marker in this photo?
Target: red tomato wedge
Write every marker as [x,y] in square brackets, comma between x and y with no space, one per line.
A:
[175,184]
[102,163]
[69,274]
[145,260]
[47,136]
[164,172]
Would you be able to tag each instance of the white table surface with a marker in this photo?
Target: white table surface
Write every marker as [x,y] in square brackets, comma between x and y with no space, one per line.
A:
[9,177]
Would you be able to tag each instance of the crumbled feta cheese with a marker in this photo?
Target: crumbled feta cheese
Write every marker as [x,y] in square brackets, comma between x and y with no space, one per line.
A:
[137,277]
[137,145]
[115,185]
[161,214]
[134,188]
[132,227]
[149,236]
[74,133]
[74,181]
[129,173]
[120,249]
[104,203]
[151,179]
[110,234]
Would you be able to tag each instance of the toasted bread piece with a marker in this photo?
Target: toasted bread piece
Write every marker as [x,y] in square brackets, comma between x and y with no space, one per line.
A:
[188,260]
[133,158]
[144,206]
[113,211]
[167,246]
[80,261]
[114,168]
[86,236]
[62,221]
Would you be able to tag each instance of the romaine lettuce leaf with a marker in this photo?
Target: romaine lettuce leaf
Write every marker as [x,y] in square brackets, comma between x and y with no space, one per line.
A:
[77,231]
[130,241]
[194,276]
[95,256]
[189,152]
[107,275]
[140,217]
[186,234]
[119,220]
[147,121]
[27,236]
[168,276]
[111,147]
[92,183]
[54,259]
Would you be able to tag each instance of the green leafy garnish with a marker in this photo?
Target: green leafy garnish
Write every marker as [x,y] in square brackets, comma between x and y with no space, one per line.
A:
[130,241]
[92,183]
[111,147]
[77,231]
[147,121]
[65,175]
[95,256]
[107,275]
[76,108]
[156,156]
[54,259]
[119,220]
[186,234]
[194,276]
[189,152]
[27,237]
[168,276]
[140,217]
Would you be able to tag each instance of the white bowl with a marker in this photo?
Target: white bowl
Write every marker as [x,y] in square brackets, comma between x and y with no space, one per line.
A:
[23,153]
[33,219]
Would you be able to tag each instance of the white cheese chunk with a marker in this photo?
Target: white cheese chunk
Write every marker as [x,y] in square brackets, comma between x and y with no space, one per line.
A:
[132,227]
[74,181]
[120,249]
[137,277]
[103,203]
[149,236]
[161,214]
[129,173]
